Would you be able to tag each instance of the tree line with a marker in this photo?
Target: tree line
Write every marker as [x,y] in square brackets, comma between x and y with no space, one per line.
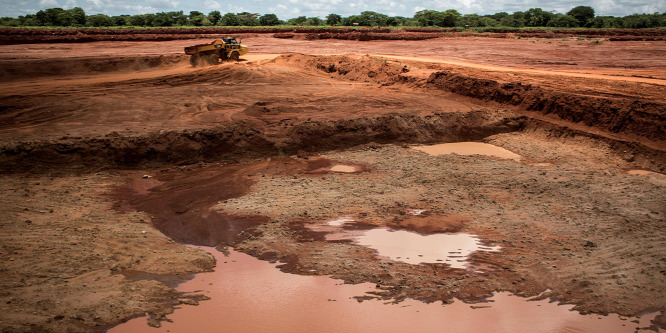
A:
[580,16]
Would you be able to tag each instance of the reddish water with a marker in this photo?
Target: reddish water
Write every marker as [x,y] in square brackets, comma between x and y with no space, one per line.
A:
[249,295]
[644,173]
[345,168]
[414,248]
[469,148]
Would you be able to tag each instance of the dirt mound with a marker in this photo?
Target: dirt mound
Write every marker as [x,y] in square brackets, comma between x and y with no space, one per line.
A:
[20,69]
[616,115]
[367,69]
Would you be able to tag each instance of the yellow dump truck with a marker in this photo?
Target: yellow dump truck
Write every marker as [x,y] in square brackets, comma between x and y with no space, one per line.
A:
[227,48]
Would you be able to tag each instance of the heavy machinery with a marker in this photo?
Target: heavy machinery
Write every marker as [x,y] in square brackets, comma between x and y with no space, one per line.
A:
[227,48]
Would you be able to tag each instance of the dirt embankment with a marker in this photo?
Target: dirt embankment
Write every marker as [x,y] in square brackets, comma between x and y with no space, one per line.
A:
[82,35]
[616,114]
[243,140]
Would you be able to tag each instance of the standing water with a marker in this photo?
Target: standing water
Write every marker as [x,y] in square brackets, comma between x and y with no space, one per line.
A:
[250,295]
[468,148]
[414,248]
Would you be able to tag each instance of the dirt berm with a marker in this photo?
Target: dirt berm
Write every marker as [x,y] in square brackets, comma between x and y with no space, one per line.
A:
[245,140]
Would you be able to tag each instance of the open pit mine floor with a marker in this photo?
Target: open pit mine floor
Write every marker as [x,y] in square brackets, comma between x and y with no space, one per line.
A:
[460,184]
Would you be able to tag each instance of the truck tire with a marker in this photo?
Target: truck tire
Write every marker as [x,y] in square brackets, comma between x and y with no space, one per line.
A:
[213,59]
[234,56]
[194,60]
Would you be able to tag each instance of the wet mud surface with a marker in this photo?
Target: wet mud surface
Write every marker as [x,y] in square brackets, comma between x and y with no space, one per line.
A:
[249,295]
[109,168]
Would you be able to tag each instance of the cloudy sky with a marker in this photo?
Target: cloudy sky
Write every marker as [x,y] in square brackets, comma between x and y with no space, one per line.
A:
[286,9]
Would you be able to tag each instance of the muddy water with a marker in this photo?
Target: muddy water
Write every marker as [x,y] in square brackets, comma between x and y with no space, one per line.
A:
[342,168]
[468,148]
[249,295]
[414,248]
[644,173]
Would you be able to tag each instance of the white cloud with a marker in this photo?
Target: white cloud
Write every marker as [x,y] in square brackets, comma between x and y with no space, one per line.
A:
[48,3]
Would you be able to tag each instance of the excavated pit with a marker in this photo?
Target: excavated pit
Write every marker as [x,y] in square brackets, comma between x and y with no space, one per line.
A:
[266,155]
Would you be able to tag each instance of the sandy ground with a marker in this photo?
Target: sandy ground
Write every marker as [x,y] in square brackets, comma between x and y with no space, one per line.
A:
[579,225]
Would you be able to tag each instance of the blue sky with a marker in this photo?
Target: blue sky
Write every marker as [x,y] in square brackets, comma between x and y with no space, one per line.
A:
[286,9]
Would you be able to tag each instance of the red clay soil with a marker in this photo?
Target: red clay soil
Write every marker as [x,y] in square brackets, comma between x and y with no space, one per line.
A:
[90,109]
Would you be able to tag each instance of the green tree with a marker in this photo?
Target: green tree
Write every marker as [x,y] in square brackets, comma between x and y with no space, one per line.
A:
[79,15]
[487,21]
[99,20]
[565,21]
[162,19]
[314,21]
[449,18]
[536,17]
[499,16]
[472,20]
[149,20]
[120,20]
[248,19]
[65,19]
[230,19]
[196,18]
[10,21]
[333,19]
[214,17]
[427,17]
[374,19]
[269,20]
[53,16]
[582,14]
[297,20]
[137,20]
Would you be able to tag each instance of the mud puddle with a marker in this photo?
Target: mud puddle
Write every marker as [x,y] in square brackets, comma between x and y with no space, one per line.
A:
[408,246]
[468,148]
[414,248]
[250,295]
[645,173]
